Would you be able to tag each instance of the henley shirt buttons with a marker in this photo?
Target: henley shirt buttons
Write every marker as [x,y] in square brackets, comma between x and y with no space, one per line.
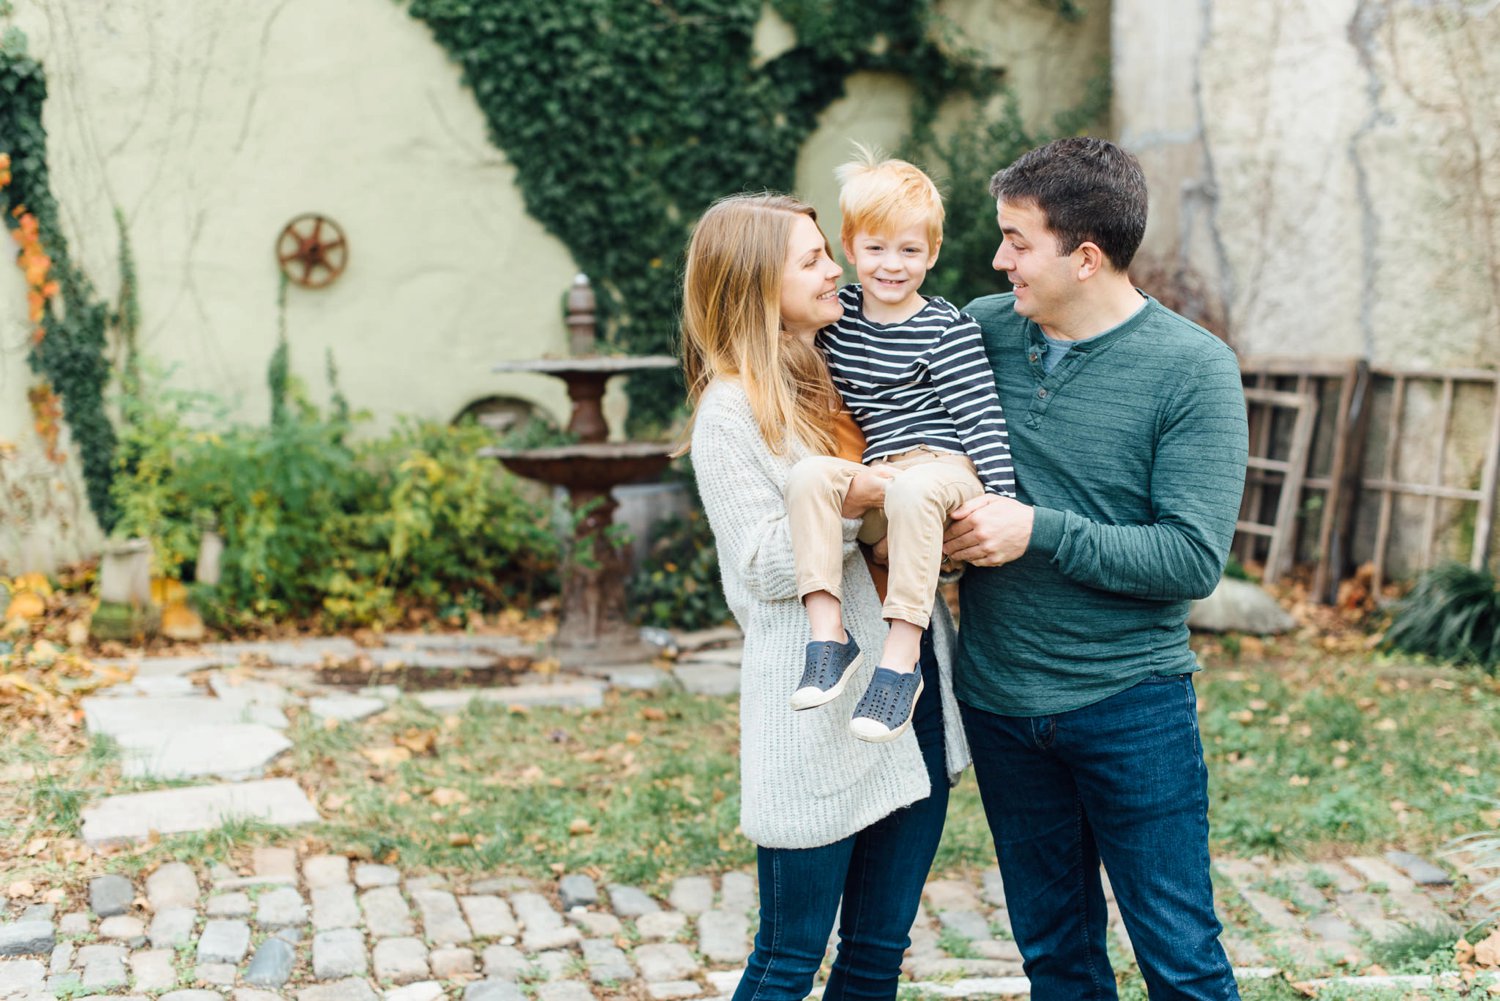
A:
[1041,394]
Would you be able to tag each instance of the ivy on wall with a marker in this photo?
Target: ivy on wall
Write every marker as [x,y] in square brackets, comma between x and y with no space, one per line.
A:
[626,118]
[69,343]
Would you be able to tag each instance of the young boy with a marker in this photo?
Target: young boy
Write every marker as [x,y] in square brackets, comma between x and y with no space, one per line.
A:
[914,374]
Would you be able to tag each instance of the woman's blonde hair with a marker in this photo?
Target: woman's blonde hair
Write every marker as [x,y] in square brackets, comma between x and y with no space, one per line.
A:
[731,321]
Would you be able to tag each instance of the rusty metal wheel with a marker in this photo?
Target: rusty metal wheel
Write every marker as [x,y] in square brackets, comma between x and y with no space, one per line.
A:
[312,250]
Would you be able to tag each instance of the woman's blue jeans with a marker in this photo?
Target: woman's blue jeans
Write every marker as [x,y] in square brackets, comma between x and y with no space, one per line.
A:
[1121,781]
[878,873]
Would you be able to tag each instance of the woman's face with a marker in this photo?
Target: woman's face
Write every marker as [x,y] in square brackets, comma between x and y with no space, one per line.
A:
[810,283]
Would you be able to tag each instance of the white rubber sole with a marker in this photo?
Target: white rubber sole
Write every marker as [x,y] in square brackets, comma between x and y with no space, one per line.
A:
[811,698]
[871,731]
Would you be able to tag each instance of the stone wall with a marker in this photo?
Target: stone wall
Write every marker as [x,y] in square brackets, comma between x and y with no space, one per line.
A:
[1325,178]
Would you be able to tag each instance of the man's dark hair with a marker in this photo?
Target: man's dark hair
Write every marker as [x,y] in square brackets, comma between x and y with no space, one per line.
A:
[1088,189]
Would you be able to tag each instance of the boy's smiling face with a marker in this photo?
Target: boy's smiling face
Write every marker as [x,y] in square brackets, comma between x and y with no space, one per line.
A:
[891,267]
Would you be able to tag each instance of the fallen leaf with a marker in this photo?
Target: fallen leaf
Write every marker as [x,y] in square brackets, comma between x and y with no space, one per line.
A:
[20,888]
[458,839]
[385,757]
[36,846]
[418,741]
[447,797]
[1487,952]
[578,825]
[653,713]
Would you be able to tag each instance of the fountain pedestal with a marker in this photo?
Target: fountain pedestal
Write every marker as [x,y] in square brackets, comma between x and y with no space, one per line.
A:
[594,627]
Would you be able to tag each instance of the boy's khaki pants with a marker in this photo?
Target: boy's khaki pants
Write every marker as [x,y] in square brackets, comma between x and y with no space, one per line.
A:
[917,503]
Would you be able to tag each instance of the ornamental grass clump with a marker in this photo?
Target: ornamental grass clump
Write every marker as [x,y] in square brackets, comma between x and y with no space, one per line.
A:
[1453,614]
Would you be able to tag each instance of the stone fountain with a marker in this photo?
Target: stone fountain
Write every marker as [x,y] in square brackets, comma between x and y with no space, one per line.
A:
[593,627]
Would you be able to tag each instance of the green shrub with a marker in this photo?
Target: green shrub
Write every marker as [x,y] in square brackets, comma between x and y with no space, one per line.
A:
[1453,614]
[315,526]
[679,585]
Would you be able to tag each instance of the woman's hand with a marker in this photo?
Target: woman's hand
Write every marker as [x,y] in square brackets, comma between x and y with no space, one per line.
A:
[867,491]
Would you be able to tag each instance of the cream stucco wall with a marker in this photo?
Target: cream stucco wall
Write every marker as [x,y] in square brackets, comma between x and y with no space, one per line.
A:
[210,124]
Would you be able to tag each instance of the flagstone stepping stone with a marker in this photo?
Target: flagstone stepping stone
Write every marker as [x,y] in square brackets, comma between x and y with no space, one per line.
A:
[308,652]
[76,923]
[321,871]
[117,717]
[429,660]
[22,938]
[965,924]
[110,895]
[160,667]
[236,688]
[577,890]
[565,695]
[200,808]
[151,687]
[544,927]
[345,708]
[223,941]
[724,657]
[737,892]
[1422,872]
[714,680]
[229,905]
[228,751]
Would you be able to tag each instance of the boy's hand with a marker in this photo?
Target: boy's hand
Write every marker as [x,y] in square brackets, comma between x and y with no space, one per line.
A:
[988,531]
[867,491]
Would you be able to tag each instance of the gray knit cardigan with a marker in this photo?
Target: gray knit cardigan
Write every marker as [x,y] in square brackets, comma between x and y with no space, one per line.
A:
[806,781]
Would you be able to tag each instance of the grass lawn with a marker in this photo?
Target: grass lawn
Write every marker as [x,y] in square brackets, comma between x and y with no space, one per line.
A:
[1310,755]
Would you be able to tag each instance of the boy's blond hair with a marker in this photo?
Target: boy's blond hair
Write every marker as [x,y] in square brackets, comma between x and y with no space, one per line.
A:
[884,196]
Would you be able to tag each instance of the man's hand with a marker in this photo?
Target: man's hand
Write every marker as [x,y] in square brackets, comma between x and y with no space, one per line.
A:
[988,531]
[867,491]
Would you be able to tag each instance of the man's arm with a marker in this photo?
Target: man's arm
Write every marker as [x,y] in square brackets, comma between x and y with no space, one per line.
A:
[1196,480]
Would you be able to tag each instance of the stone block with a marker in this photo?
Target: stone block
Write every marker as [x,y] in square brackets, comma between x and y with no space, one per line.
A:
[505,962]
[454,961]
[153,970]
[386,913]
[282,907]
[692,894]
[401,960]
[229,905]
[577,890]
[334,907]
[723,936]
[494,990]
[441,918]
[660,924]
[110,895]
[273,963]
[367,875]
[339,953]
[133,816]
[223,941]
[124,928]
[324,871]
[348,989]
[422,990]
[630,902]
[172,885]
[489,916]
[26,938]
[665,961]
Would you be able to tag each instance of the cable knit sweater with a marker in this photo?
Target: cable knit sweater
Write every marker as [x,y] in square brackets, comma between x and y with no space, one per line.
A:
[806,781]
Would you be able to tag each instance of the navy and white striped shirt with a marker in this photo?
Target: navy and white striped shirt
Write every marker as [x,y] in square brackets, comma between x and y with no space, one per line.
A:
[926,381]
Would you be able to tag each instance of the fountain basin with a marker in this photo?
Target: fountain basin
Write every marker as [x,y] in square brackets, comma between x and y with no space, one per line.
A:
[587,465]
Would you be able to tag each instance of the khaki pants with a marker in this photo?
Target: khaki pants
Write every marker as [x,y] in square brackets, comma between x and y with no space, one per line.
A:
[917,504]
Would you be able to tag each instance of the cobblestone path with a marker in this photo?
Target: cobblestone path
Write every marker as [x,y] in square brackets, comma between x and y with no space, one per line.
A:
[323,928]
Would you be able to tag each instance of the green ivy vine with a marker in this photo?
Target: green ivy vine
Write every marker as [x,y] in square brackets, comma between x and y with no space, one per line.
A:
[626,118]
[71,355]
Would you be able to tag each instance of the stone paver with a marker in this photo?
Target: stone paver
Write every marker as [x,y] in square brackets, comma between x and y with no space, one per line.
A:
[334,907]
[21,975]
[596,924]
[441,918]
[401,960]
[494,990]
[134,816]
[564,695]
[489,916]
[422,990]
[74,923]
[724,936]
[505,962]
[193,995]
[229,905]
[223,941]
[172,885]
[660,924]
[630,902]
[606,961]
[272,964]
[564,990]
[339,953]
[153,969]
[110,895]
[103,966]
[22,938]
[454,961]
[665,961]
[543,927]
[172,927]
[348,989]
[386,913]
[280,908]
[692,894]
[577,890]
[123,928]
[367,875]
[737,892]
[325,871]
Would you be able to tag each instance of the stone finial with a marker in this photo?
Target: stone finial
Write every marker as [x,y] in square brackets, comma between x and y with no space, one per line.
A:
[582,340]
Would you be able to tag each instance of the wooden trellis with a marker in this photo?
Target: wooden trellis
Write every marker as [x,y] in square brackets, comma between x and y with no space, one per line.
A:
[1433,487]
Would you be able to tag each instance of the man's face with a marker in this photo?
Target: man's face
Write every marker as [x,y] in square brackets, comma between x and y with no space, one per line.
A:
[1043,279]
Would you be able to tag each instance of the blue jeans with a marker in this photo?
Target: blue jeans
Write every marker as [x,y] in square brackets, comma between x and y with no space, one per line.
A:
[878,873]
[1121,781]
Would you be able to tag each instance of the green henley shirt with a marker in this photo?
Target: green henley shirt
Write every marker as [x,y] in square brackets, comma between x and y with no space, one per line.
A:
[1132,451]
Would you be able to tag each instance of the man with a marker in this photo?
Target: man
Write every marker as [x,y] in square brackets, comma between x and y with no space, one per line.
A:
[1127,425]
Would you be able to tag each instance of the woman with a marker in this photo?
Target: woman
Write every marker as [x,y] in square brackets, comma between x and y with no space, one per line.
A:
[833,818]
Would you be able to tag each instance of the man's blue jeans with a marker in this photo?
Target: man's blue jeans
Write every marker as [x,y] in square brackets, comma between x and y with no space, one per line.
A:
[879,874]
[1122,781]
